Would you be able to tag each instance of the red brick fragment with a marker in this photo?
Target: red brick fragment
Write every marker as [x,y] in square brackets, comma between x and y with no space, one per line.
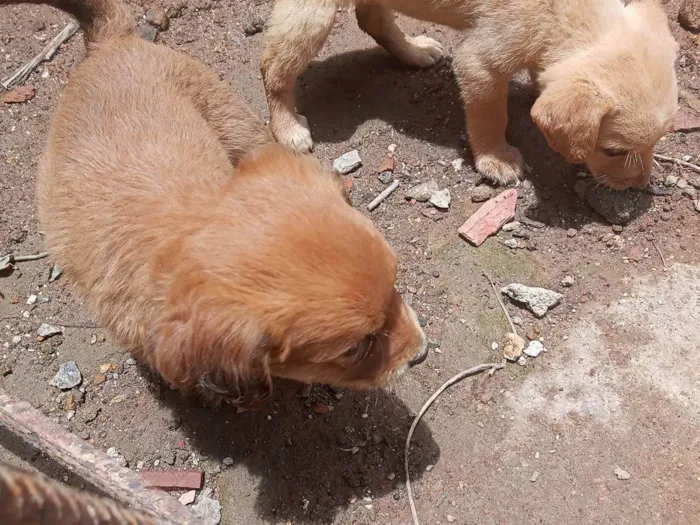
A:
[489,219]
[19,95]
[387,163]
[175,479]
[685,122]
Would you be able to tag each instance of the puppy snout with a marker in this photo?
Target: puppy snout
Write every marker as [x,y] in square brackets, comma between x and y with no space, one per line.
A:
[420,356]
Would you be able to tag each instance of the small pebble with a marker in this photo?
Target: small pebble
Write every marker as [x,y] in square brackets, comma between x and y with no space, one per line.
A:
[441,199]
[697,205]
[671,180]
[48,330]
[511,226]
[32,299]
[568,281]
[534,477]
[386,177]
[188,497]
[571,232]
[481,194]
[617,228]
[517,321]
[511,243]
[450,519]
[228,461]
[522,360]
[682,184]
[457,164]
[534,348]
[157,17]
[67,377]
[621,474]
[347,162]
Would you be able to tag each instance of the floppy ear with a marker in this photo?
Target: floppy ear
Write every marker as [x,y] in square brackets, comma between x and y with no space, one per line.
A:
[569,115]
[203,347]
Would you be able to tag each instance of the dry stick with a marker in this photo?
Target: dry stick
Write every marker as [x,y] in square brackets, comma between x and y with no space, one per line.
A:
[503,306]
[26,258]
[383,195]
[46,54]
[491,368]
[688,165]
[663,259]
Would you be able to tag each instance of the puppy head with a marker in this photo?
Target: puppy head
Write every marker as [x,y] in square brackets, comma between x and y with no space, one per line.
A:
[609,104]
[284,279]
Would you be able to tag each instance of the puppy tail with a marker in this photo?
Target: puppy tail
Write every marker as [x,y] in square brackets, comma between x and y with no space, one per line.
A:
[100,20]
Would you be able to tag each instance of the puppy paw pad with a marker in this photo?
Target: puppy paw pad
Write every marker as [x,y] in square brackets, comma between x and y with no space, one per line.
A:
[424,52]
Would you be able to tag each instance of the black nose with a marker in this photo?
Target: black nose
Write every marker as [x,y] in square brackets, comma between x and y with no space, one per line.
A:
[419,358]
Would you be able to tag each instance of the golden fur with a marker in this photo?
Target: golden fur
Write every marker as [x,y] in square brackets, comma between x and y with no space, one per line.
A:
[605,72]
[217,267]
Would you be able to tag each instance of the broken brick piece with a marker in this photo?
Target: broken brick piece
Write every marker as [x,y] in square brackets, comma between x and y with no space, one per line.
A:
[387,163]
[19,95]
[175,479]
[489,219]
[685,122]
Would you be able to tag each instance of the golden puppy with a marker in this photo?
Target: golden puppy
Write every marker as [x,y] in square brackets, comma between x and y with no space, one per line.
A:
[605,71]
[219,278]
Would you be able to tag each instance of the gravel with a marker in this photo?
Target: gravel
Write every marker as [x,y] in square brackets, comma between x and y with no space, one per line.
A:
[207,508]
[538,300]
[347,162]
[48,330]
[441,199]
[67,377]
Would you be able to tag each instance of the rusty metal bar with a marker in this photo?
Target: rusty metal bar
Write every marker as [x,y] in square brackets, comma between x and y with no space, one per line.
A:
[34,499]
[89,463]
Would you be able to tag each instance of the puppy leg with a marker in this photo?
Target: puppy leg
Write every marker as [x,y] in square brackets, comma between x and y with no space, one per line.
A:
[485,95]
[296,32]
[378,22]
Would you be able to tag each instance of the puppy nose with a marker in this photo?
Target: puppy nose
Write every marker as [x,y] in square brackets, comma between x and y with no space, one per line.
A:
[420,356]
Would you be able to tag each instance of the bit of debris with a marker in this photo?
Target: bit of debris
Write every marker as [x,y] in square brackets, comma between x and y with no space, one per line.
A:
[457,165]
[441,199]
[188,497]
[383,196]
[522,360]
[47,53]
[207,508]
[568,281]
[175,479]
[320,408]
[636,254]
[697,206]
[67,377]
[511,226]
[685,122]
[534,477]
[622,474]
[617,207]
[347,162]
[112,453]
[56,272]
[19,95]
[423,192]
[538,300]
[671,180]
[98,379]
[253,25]
[534,349]
[450,519]
[510,243]
[228,461]
[158,18]
[386,177]
[48,330]
[148,32]
[513,346]
[489,219]
[5,262]
[387,164]
[481,194]
[689,15]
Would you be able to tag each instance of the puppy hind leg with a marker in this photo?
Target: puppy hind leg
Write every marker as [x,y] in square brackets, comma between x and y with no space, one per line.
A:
[485,95]
[296,32]
[378,22]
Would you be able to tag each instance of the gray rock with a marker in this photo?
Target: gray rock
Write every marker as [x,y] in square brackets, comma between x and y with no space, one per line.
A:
[67,377]
[511,243]
[617,207]
[481,194]
[517,321]
[522,360]
[253,25]
[158,18]
[567,281]
[207,508]
[621,474]
[112,453]
[457,165]
[386,177]
[148,32]
[423,192]
[48,330]
[441,199]
[347,162]
[671,180]
[228,461]
[538,300]
[682,184]
[511,226]
[534,349]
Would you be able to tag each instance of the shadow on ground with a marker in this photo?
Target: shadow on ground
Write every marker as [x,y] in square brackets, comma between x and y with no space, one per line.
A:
[308,466]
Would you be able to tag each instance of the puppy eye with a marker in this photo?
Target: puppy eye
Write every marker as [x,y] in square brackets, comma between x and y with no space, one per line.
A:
[363,346]
[611,152]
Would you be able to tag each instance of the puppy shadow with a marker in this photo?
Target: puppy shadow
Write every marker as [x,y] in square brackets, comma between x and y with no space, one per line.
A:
[344,91]
[312,452]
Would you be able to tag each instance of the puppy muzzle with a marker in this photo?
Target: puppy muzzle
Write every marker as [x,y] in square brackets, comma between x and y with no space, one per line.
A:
[420,356]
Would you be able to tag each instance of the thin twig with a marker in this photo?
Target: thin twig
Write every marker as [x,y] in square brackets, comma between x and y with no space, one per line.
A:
[503,306]
[663,259]
[491,367]
[383,195]
[23,72]
[27,258]
[684,163]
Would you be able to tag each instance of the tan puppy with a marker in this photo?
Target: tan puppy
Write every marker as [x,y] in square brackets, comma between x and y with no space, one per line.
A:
[219,278]
[606,73]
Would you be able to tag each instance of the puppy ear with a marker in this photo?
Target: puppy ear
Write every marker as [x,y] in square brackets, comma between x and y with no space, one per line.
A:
[569,115]
[201,346]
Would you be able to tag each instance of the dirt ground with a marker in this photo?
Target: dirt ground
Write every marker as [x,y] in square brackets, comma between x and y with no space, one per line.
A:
[535,444]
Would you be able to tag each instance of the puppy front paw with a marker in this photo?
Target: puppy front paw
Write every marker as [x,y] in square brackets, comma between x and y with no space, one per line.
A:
[423,51]
[503,167]
[297,136]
